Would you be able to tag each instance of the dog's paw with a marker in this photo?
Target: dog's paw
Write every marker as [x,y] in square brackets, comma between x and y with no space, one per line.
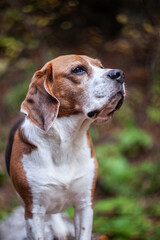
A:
[58,227]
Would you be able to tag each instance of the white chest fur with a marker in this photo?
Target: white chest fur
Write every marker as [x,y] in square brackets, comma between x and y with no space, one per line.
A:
[61,171]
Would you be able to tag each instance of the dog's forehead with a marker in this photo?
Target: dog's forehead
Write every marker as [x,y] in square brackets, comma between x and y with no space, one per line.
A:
[92,61]
[68,61]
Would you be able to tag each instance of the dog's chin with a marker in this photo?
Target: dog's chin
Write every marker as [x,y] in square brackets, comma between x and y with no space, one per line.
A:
[106,112]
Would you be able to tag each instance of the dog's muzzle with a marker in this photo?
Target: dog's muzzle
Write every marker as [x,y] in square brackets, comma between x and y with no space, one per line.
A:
[115,75]
[94,114]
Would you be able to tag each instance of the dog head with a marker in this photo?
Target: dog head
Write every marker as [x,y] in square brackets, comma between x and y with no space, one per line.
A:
[73,84]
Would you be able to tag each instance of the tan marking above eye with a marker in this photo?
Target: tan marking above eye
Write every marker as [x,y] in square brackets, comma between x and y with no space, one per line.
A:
[99,64]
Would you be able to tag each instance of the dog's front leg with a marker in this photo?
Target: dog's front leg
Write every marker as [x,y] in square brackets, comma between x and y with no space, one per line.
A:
[35,227]
[83,223]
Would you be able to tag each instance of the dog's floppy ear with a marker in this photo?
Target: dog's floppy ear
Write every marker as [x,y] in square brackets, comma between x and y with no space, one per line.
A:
[40,104]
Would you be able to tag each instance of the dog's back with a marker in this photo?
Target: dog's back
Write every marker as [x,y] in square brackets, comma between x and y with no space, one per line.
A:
[10,143]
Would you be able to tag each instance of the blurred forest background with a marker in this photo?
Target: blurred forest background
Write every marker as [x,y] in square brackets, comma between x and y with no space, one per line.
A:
[123,34]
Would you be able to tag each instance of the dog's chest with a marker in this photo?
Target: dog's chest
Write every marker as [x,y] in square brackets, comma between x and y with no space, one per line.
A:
[60,177]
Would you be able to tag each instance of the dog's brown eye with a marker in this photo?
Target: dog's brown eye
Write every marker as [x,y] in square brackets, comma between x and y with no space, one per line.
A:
[79,70]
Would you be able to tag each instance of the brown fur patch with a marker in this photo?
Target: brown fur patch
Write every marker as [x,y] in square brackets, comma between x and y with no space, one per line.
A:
[21,146]
[93,155]
[40,104]
[68,88]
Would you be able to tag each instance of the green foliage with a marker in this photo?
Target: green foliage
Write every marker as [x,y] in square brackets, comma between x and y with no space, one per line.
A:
[16,95]
[70,212]
[3,65]
[2,176]
[125,115]
[122,217]
[153,110]
[3,213]
[116,174]
[2,145]
[132,140]
[13,47]
[154,209]
[119,206]
[147,178]
[114,170]
[94,133]
[153,114]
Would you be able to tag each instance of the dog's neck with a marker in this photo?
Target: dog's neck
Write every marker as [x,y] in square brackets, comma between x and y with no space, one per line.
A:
[70,128]
[64,131]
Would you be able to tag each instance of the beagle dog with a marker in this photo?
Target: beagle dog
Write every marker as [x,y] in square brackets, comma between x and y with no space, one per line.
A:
[50,157]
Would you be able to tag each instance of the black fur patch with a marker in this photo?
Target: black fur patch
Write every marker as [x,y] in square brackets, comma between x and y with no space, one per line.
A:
[10,143]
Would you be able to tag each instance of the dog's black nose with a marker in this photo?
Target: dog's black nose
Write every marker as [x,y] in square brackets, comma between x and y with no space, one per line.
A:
[117,75]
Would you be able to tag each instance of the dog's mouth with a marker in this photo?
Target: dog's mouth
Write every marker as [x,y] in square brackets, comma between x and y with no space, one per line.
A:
[105,112]
[118,106]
